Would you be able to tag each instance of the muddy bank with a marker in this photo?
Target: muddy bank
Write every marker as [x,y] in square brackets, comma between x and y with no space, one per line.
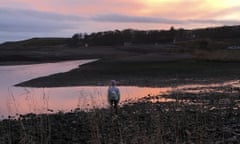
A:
[142,73]
[19,54]
[199,114]
[140,65]
[143,122]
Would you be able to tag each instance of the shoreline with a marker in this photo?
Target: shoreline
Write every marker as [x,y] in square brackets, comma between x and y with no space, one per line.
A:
[153,74]
[140,121]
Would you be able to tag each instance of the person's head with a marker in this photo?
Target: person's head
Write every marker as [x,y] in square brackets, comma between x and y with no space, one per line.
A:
[113,83]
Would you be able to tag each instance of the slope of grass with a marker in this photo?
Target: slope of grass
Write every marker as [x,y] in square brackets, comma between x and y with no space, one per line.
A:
[36,42]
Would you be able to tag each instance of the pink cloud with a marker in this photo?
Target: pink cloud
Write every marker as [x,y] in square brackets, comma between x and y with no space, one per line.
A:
[90,7]
[180,9]
[65,17]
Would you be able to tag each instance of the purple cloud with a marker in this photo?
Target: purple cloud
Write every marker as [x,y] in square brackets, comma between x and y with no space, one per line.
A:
[133,19]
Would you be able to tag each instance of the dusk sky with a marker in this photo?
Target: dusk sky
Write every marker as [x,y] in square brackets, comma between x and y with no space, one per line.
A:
[23,19]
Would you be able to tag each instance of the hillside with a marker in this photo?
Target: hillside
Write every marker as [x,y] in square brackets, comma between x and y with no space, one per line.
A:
[125,43]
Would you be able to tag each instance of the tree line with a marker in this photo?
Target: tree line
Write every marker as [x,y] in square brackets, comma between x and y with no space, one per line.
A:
[131,36]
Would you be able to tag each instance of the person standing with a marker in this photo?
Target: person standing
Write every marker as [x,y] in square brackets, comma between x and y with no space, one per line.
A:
[113,95]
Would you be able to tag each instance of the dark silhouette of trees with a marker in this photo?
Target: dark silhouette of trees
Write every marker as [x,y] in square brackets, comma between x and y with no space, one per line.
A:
[130,36]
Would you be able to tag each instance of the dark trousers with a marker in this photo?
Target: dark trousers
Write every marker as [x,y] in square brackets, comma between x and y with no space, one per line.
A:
[114,104]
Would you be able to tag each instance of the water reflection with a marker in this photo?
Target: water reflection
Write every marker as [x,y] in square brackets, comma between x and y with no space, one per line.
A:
[41,100]
[207,88]
[10,75]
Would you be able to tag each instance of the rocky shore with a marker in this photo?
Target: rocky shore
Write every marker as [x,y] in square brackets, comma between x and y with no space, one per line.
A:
[205,117]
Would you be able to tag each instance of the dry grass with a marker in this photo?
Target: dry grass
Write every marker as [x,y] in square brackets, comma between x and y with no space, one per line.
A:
[142,122]
[217,55]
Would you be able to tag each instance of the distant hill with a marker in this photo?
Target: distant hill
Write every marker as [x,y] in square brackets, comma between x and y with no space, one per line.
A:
[36,42]
[130,36]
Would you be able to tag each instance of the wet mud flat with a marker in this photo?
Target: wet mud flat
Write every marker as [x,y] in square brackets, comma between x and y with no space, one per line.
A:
[139,65]
[141,73]
[206,116]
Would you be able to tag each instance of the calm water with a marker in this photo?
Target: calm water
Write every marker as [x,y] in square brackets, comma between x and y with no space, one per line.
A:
[40,100]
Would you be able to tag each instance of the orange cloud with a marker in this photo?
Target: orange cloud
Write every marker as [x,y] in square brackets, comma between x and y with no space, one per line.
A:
[186,9]
[180,9]
[97,15]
